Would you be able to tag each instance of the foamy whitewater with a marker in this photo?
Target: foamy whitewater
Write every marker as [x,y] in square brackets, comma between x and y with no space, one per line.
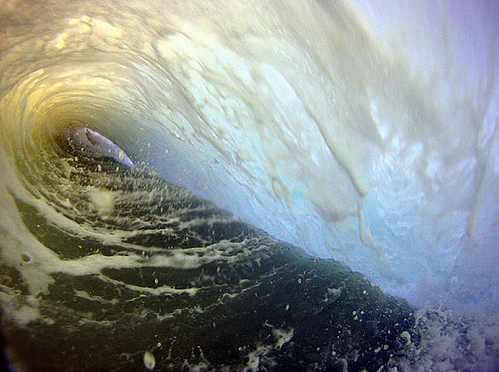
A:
[364,132]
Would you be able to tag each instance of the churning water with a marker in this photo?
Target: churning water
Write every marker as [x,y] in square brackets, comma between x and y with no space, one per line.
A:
[137,136]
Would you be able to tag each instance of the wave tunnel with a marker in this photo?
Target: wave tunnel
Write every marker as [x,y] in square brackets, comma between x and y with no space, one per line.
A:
[253,185]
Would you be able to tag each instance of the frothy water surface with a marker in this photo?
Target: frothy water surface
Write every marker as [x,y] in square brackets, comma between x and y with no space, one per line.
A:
[360,135]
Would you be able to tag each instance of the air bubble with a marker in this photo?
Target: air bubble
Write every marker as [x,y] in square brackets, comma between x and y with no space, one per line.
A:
[26,257]
[149,361]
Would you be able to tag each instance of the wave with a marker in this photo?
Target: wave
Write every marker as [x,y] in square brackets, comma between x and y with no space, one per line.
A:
[306,119]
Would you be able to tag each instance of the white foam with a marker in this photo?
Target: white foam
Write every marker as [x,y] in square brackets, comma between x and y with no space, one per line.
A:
[102,200]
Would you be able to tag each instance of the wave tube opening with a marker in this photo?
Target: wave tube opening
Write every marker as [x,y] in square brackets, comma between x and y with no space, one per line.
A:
[328,125]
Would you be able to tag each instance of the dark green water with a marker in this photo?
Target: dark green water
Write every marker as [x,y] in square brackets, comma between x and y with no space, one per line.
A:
[206,292]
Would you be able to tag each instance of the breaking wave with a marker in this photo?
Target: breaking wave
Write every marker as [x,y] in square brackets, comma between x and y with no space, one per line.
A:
[328,126]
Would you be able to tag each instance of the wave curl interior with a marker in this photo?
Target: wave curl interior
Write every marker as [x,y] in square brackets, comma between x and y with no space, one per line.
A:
[319,122]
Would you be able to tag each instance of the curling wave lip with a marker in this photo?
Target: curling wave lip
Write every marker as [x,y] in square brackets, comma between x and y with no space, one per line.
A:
[93,143]
[374,145]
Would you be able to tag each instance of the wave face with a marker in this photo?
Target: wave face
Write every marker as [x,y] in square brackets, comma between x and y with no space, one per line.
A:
[362,136]
[169,282]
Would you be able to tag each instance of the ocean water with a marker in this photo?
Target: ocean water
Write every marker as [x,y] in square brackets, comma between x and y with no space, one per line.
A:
[206,185]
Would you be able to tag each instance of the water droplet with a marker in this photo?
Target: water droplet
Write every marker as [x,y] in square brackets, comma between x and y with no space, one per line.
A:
[149,361]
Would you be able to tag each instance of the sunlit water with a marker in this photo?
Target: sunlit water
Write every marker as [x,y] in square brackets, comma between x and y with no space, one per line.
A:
[363,133]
